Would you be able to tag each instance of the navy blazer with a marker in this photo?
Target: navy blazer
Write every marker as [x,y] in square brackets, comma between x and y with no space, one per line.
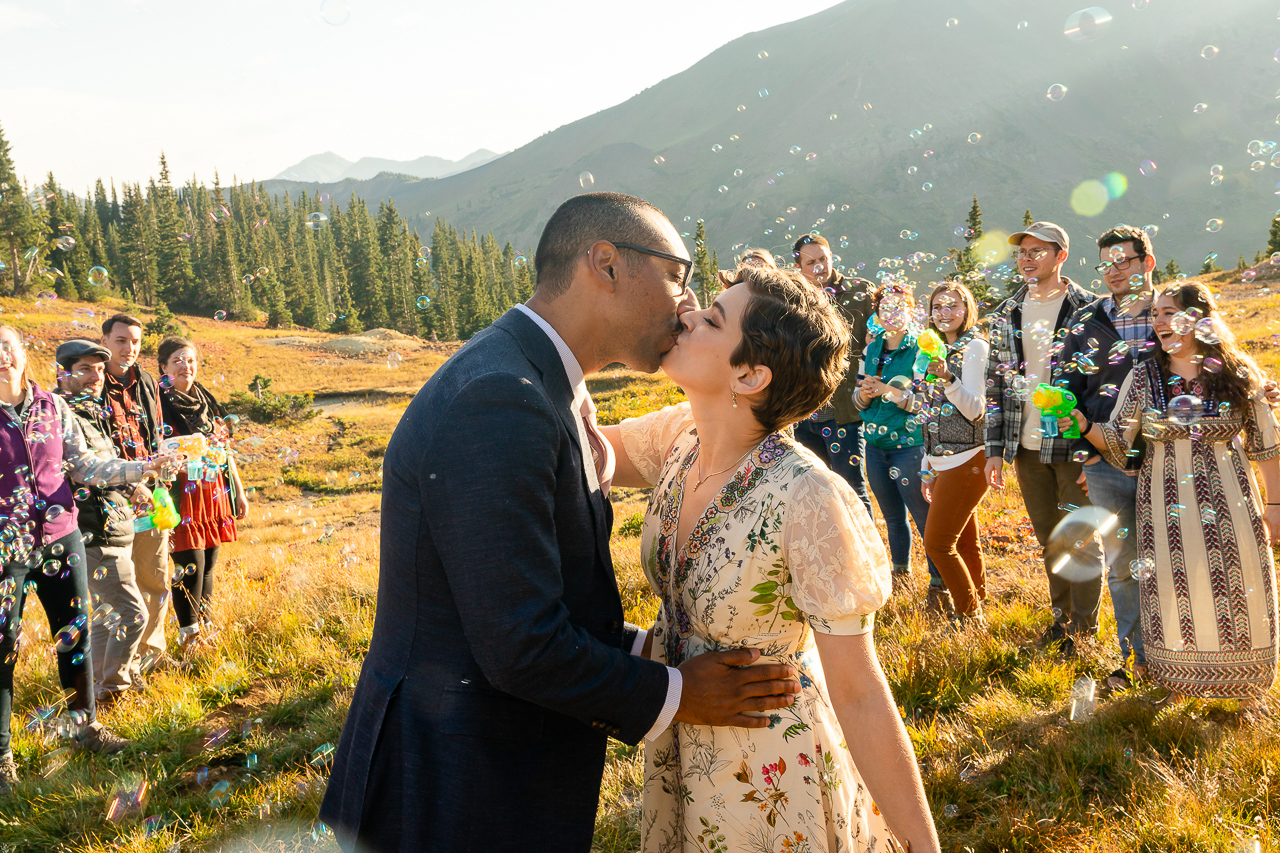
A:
[499,662]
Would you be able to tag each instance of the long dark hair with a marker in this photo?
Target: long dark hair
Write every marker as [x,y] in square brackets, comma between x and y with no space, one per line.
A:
[1239,379]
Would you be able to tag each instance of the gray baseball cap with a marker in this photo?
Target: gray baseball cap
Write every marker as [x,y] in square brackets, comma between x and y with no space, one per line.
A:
[72,351]
[1046,231]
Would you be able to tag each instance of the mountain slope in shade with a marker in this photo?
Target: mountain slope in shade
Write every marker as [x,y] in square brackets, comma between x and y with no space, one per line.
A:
[329,167]
[819,133]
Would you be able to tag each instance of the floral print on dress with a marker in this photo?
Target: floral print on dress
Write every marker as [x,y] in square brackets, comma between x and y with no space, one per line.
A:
[784,550]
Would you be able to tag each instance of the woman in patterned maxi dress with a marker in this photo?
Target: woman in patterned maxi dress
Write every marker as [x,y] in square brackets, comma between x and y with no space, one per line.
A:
[781,556]
[1205,568]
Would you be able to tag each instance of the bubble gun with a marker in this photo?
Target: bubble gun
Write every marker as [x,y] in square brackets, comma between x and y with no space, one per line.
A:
[163,515]
[931,345]
[1053,403]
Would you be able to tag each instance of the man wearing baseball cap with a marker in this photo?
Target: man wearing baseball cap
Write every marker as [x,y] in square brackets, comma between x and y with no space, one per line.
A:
[106,523]
[1024,329]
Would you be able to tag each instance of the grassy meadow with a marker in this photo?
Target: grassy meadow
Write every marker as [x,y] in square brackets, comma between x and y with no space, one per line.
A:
[232,753]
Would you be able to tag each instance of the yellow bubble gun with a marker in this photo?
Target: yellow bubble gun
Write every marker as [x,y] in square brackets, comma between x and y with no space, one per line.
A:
[163,515]
[1053,403]
[931,345]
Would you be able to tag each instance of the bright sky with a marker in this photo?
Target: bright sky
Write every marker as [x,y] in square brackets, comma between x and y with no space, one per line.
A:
[250,87]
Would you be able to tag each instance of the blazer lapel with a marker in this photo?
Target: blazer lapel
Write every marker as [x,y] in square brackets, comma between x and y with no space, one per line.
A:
[542,353]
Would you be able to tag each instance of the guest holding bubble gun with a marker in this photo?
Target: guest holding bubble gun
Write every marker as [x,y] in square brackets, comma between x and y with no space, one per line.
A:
[953,466]
[1205,569]
[891,424]
[40,548]
[207,491]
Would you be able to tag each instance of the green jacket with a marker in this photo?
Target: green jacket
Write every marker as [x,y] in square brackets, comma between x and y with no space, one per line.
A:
[885,424]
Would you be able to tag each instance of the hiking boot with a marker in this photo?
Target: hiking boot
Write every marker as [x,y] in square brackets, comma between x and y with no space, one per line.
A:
[937,601]
[8,773]
[965,621]
[96,737]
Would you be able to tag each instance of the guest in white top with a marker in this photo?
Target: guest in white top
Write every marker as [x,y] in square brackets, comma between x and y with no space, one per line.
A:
[953,439]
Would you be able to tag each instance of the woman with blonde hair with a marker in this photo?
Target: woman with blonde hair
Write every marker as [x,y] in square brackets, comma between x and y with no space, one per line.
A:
[1197,415]
[955,408]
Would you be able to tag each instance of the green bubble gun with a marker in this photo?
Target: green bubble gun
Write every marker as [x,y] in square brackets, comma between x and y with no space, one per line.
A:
[1053,403]
[931,345]
[163,515]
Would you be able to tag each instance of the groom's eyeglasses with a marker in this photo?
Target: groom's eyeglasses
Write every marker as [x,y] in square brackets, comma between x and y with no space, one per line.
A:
[645,250]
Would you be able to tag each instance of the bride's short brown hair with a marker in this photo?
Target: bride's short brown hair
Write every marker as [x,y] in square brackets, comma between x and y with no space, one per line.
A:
[796,331]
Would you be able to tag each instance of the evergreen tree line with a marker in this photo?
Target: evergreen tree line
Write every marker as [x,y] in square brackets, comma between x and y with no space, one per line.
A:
[234,252]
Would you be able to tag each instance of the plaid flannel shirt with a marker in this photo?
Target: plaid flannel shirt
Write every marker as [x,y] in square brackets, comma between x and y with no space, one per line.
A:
[1004,408]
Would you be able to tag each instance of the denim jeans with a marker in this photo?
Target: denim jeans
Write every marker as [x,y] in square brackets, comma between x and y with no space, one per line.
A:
[897,495]
[1115,491]
[843,453]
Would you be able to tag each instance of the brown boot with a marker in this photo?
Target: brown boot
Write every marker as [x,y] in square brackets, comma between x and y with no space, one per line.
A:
[938,602]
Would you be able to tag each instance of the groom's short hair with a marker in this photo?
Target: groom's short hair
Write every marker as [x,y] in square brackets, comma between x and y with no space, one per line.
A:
[794,330]
[581,221]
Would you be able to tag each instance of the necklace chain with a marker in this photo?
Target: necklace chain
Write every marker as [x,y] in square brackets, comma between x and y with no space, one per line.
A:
[697,484]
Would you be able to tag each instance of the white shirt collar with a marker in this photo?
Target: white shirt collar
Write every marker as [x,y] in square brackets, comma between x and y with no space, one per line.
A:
[572,369]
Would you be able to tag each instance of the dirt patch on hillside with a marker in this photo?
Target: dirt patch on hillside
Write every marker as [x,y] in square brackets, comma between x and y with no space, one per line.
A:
[372,342]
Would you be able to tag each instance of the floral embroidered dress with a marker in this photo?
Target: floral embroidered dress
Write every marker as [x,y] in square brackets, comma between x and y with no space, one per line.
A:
[1207,582]
[784,550]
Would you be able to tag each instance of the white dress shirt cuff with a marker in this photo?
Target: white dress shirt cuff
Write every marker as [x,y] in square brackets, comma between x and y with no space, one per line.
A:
[674,685]
[637,645]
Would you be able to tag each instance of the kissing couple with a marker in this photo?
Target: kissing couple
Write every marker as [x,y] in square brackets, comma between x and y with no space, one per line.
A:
[500,662]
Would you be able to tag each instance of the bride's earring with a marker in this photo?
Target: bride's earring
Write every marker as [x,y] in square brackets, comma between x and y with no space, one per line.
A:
[734,395]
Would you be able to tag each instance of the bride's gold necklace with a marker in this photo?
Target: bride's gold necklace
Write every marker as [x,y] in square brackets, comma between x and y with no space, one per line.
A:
[697,484]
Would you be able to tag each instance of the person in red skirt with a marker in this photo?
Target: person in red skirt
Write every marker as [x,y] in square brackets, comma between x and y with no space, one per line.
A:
[207,492]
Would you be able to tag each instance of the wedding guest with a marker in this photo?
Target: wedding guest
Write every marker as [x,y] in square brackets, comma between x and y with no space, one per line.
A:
[134,402]
[106,525]
[953,437]
[750,541]
[757,258]
[1197,415]
[40,547]
[890,409]
[209,503]
[834,432]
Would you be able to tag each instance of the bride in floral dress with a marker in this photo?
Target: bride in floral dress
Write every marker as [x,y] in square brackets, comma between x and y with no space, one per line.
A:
[751,542]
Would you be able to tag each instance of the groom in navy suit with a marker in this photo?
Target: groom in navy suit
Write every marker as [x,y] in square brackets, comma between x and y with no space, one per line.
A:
[500,663]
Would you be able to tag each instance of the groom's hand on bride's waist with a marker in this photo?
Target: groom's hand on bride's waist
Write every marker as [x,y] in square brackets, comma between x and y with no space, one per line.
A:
[723,689]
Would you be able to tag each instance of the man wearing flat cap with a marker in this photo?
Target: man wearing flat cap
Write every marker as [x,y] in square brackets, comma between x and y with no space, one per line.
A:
[106,523]
[1024,329]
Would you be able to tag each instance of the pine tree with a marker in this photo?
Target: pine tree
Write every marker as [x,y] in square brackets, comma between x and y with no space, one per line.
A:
[1273,239]
[705,279]
[138,247]
[1027,221]
[1240,264]
[176,276]
[967,263]
[19,228]
[66,270]
[1172,270]
[355,233]
[1209,266]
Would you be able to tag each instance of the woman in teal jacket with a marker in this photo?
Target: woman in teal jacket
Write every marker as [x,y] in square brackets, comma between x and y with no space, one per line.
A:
[891,404]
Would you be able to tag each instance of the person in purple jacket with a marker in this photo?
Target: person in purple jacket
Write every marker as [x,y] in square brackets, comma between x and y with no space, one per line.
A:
[40,546]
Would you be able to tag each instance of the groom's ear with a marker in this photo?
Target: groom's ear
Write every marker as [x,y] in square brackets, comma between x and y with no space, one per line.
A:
[603,262]
[752,379]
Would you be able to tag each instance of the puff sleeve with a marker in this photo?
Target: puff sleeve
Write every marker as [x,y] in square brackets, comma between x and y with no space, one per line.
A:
[649,438]
[840,572]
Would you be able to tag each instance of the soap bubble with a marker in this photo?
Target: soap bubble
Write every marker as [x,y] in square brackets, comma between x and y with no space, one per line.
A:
[717,148]
[586,179]
[1185,409]
[1087,24]
[1143,569]
[66,244]
[1146,167]
[316,221]
[975,138]
[1208,52]
[335,12]
[1212,365]
[764,93]
[1056,92]
[1080,544]
[926,186]
[1213,226]
[219,315]
[423,302]
[764,54]
[1022,25]
[394,360]
[1199,108]
[1207,331]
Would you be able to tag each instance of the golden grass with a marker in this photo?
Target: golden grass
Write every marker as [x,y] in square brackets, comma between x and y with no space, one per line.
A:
[986,712]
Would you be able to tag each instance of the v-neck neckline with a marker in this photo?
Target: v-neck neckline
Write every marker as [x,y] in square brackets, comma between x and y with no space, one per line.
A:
[682,475]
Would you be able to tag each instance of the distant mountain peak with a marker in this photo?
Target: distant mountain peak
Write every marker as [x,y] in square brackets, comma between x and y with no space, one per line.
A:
[328,168]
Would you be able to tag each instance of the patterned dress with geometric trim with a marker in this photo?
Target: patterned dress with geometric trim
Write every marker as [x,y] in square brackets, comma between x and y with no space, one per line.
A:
[784,550]
[1209,608]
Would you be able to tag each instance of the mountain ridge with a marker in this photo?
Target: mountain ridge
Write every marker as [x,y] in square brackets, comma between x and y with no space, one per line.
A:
[329,167]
